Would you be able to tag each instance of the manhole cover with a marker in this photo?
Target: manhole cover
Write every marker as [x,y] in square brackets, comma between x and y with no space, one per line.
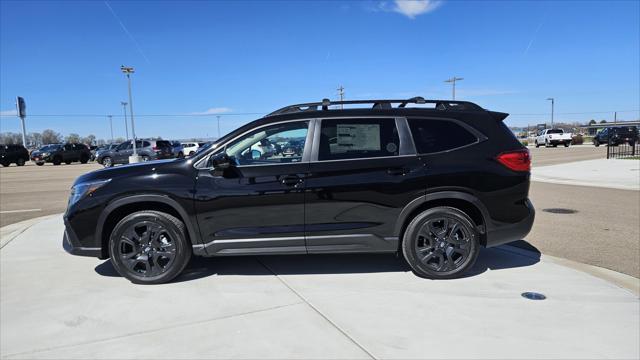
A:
[560,211]
[533,296]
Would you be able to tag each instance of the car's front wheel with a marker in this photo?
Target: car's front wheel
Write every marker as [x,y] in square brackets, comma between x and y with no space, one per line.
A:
[20,162]
[441,243]
[149,247]
[107,162]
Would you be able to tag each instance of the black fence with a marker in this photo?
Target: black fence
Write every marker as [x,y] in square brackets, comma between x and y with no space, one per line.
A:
[623,150]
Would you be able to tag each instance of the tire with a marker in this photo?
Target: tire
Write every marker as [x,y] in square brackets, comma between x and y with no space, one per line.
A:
[537,145]
[68,162]
[555,145]
[6,163]
[546,143]
[143,264]
[596,142]
[145,158]
[191,153]
[107,162]
[180,155]
[420,239]
[20,162]
[84,159]
[40,163]
[566,144]
[57,161]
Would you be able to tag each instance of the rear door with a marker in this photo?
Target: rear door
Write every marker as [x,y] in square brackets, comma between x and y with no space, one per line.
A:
[363,172]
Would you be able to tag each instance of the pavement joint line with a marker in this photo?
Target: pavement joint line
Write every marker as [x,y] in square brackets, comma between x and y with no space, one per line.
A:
[18,211]
[18,234]
[4,356]
[343,332]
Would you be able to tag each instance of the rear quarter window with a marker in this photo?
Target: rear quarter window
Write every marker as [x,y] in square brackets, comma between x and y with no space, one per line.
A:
[431,136]
[163,143]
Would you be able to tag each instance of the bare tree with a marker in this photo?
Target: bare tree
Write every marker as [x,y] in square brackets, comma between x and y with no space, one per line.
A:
[10,138]
[89,139]
[35,139]
[72,138]
[51,137]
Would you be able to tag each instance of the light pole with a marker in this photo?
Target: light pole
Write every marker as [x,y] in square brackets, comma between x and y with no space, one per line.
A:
[126,126]
[111,125]
[128,71]
[341,94]
[552,106]
[218,116]
[453,83]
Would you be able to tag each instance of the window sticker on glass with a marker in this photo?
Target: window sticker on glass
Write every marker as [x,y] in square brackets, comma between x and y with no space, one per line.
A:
[358,137]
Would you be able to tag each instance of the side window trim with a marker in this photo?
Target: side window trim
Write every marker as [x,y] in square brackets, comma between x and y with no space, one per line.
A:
[480,137]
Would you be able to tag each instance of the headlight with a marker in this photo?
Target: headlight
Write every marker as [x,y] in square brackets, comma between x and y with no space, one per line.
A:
[79,191]
[44,154]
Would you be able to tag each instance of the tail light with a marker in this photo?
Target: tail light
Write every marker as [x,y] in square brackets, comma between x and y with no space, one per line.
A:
[156,149]
[518,160]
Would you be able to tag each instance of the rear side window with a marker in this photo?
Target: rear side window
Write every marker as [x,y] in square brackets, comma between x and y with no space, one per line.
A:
[432,136]
[358,138]
[163,143]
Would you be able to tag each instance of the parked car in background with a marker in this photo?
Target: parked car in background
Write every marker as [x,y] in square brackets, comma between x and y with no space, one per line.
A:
[147,150]
[177,149]
[553,137]
[432,184]
[13,153]
[190,148]
[101,149]
[59,153]
[616,135]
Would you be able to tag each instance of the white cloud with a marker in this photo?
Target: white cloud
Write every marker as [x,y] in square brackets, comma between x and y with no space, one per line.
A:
[8,112]
[215,110]
[413,8]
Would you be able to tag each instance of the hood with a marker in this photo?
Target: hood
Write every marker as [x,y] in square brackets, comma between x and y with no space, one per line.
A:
[125,170]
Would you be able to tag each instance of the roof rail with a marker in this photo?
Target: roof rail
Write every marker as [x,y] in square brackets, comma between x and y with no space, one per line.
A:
[383,104]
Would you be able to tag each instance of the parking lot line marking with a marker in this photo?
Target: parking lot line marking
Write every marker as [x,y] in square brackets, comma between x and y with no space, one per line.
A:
[18,211]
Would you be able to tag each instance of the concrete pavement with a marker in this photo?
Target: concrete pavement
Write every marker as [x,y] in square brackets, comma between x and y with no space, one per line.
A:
[550,156]
[54,305]
[608,173]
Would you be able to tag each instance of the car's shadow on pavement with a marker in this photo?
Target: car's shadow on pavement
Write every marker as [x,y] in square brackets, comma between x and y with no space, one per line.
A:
[200,267]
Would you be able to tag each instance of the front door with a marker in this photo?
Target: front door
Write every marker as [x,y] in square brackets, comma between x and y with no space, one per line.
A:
[363,172]
[257,205]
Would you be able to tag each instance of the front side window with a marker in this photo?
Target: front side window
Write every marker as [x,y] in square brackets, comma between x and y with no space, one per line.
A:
[358,138]
[431,136]
[275,144]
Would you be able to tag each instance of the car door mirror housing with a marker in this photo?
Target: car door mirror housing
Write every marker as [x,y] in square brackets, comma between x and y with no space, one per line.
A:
[220,161]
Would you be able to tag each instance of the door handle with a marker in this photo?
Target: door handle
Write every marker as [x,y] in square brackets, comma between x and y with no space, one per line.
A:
[291,180]
[400,171]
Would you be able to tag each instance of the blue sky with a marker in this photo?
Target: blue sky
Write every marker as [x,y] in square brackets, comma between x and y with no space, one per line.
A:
[235,58]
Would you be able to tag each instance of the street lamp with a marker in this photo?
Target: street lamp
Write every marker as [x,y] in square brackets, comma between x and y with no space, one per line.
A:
[218,116]
[126,126]
[128,71]
[111,125]
[552,105]
[453,83]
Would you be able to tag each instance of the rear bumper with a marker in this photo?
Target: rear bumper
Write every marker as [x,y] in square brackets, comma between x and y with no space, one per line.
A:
[501,233]
[71,244]
[558,142]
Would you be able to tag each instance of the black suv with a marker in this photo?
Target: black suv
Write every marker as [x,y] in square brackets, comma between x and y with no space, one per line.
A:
[59,153]
[616,136]
[13,154]
[431,179]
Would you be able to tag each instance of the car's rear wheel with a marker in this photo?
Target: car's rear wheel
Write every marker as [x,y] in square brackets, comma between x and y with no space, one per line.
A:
[20,162]
[566,144]
[537,145]
[441,243]
[84,159]
[596,142]
[107,162]
[149,247]
[40,163]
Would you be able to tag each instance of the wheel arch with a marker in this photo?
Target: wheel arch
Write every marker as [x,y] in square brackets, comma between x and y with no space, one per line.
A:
[119,208]
[465,202]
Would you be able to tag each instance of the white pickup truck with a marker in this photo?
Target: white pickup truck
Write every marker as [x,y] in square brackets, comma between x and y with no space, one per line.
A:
[553,137]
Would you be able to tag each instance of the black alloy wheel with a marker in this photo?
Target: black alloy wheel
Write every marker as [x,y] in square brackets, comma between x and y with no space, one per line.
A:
[107,162]
[145,158]
[441,243]
[149,247]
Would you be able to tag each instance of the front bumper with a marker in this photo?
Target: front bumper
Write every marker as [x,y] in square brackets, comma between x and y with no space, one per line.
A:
[71,244]
[502,233]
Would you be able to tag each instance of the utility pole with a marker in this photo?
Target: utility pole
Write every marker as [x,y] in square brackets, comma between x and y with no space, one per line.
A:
[453,83]
[341,94]
[21,111]
[218,116]
[128,71]
[111,125]
[126,126]
[615,117]
[552,105]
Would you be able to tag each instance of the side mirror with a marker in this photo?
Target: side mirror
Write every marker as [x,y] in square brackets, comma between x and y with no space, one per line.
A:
[220,161]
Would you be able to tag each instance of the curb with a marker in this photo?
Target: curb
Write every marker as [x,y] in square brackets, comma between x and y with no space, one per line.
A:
[621,280]
[11,231]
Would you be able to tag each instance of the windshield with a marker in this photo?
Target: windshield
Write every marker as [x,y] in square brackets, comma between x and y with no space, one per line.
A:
[50,147]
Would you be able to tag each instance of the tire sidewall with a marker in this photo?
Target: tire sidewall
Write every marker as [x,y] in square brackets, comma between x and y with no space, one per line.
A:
[183,250]
[410,237]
